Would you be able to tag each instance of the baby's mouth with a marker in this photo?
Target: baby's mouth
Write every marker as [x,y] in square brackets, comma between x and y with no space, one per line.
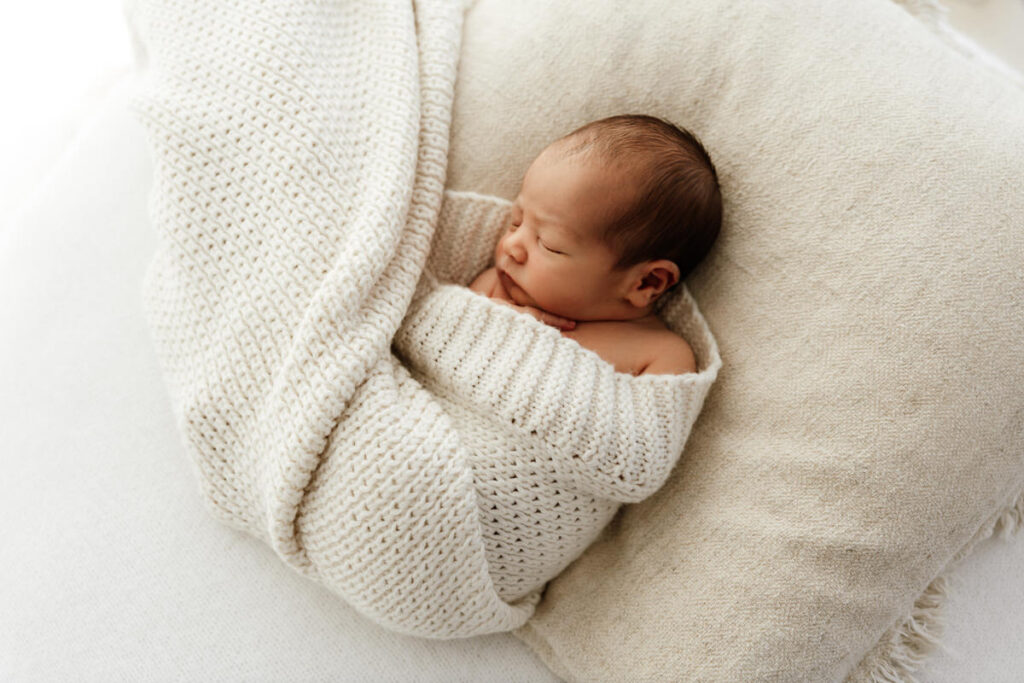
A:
[505,279]
[507,282]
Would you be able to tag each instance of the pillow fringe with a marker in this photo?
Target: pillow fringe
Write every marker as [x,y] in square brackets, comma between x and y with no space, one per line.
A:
[1011,519]
[915,639]
[909,645]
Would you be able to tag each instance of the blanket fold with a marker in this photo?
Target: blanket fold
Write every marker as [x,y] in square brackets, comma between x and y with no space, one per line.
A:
[340,401]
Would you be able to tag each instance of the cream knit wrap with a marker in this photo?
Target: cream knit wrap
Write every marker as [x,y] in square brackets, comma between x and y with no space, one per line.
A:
[431,456]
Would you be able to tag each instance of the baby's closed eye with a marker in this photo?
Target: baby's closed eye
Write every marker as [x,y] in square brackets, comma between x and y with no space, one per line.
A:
[554,251]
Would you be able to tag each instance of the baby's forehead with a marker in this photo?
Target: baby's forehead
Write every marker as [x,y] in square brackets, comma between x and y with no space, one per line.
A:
[594,148]
[600,188]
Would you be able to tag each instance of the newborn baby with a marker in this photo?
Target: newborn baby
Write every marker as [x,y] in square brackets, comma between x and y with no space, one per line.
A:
[608,219]
[555,434]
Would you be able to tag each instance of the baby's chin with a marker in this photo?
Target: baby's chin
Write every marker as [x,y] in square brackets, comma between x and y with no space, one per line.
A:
[522,297]
[548,307]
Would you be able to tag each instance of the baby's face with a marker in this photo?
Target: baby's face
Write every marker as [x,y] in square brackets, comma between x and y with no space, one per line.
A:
[550,255]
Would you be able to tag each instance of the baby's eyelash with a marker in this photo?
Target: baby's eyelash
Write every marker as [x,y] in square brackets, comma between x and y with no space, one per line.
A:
[553,251]
[512,225]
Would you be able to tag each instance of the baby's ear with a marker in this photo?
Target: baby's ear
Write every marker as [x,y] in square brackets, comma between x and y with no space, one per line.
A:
[654,278]
[661,275]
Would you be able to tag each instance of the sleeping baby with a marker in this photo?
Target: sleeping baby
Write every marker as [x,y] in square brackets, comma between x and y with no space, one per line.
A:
[608,219]
[559,424]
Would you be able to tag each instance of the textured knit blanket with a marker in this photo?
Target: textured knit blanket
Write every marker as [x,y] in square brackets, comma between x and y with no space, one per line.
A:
[429,455]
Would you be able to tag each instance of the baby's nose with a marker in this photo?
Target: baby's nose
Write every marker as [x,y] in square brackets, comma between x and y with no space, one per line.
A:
[515,250]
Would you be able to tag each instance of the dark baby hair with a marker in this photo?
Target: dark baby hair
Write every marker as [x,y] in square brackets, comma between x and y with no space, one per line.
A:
[677,214]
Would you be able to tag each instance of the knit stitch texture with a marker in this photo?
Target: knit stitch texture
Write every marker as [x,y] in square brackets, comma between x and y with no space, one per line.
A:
[431,456]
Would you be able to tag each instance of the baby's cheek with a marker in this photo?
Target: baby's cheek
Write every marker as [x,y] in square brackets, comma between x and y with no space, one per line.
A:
[578,297]
[568,300]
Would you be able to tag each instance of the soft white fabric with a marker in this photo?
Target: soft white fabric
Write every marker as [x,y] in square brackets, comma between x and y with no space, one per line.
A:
[300,159]
[110,567]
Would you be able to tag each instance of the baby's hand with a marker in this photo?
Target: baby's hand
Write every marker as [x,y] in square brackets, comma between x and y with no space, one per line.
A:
[543,316]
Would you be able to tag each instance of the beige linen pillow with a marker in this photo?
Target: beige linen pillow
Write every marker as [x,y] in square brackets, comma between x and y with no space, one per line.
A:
[866,293]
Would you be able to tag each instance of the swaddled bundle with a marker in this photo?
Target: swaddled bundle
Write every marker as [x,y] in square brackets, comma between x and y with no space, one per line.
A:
[300,153]
[556,439]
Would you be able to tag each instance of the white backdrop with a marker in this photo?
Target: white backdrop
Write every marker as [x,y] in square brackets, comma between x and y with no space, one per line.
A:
[57,60]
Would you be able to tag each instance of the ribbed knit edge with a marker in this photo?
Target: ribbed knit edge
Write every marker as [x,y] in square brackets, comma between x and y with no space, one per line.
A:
[904,648]
[526,374]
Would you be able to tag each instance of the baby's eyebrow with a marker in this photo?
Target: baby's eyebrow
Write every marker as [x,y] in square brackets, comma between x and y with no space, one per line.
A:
[567,230]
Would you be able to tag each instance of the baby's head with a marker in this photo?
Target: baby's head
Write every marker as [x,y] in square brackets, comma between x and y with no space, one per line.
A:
[609,218]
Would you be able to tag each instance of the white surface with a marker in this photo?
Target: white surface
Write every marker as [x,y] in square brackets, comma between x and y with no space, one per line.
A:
[998,25]
[984,639]
[56,60]
[110,568]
